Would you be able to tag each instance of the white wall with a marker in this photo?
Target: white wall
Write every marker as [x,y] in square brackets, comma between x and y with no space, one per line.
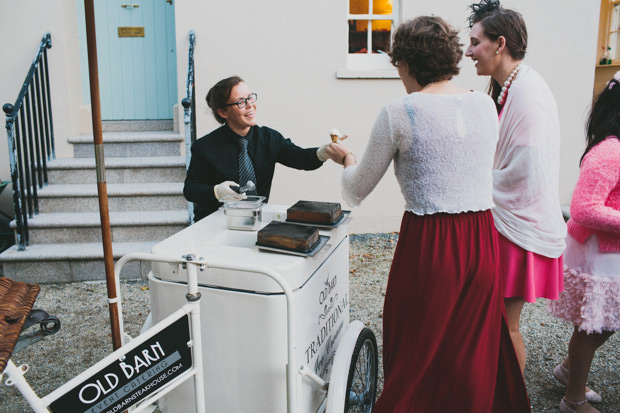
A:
[562,47]
[289,53]
[22,25]
[291,63]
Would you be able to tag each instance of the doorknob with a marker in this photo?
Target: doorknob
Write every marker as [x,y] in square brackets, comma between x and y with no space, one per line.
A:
[130,6]
[169,1]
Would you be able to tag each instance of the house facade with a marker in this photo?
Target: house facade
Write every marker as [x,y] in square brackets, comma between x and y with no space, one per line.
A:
[311,64]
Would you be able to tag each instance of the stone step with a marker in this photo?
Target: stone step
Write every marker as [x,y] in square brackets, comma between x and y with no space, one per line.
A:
[137,125]
[123,144]
[51,263]
[118,170]
[160,196]
[78,227]
[144,174]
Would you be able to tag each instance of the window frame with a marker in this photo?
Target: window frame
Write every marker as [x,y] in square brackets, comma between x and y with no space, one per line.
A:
[372,65]
[613,14]
[611,50]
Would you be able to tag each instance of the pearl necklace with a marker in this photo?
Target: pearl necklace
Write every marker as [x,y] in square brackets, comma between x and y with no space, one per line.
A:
[507,83]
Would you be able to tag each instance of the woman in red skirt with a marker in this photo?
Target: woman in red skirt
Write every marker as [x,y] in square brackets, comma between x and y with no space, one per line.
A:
[446,347]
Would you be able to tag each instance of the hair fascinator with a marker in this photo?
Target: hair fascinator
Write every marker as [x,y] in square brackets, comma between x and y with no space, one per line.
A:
[611,83]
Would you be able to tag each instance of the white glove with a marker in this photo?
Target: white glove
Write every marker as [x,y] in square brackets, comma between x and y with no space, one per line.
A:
[320,153]
[224,190]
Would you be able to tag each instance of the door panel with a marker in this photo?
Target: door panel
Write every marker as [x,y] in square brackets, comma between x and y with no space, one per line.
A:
[137,75]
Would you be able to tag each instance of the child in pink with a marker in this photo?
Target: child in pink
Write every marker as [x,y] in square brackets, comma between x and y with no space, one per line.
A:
[591,297]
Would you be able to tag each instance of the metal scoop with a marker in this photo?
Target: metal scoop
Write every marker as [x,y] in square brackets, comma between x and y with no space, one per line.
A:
[249,186]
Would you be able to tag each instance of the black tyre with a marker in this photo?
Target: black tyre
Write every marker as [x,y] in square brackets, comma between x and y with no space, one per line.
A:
[362,381]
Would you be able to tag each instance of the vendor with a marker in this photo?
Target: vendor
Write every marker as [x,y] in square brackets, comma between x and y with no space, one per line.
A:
[241,151]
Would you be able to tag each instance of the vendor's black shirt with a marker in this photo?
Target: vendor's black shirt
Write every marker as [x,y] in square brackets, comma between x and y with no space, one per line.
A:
[215,160]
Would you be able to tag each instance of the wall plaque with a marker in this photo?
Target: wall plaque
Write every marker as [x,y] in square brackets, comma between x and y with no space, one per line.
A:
[131,32]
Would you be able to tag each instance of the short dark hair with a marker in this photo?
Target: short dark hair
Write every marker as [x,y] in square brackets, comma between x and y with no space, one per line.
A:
[430,47]
[218,95]
[604,118]
[497,21]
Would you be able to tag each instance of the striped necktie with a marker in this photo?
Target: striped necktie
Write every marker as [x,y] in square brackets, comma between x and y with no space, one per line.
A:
[246,169]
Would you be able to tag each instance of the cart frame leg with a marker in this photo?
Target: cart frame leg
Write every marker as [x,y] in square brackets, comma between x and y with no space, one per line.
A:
[16,378]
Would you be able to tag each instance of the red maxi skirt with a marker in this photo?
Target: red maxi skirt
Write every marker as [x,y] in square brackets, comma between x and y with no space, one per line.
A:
[446,345]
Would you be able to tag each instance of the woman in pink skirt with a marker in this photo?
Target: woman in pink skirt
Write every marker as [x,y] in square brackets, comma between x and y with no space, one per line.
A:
[527,210]
[591,299]
[446,346]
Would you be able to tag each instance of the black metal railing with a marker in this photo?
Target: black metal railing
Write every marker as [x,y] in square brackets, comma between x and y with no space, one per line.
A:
[189,116]
[30,133]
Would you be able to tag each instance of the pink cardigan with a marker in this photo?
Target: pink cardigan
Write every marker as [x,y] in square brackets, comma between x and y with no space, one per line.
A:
[595,208]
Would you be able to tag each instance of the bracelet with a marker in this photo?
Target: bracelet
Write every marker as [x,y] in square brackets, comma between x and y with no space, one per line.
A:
[345,157]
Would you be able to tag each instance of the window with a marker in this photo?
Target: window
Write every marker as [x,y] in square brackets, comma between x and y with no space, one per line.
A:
[371,23]
[608,45]
[614,31]
[609,33]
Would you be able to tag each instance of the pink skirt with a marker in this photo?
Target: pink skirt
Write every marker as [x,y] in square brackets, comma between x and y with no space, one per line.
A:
[446,345]
[527,274]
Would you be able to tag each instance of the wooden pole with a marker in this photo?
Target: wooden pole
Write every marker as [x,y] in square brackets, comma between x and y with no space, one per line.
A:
[106,232]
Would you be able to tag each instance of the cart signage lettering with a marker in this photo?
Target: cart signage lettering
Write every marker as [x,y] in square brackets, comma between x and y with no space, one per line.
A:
[332,307]
[134,375]
[144,361]
[330,284]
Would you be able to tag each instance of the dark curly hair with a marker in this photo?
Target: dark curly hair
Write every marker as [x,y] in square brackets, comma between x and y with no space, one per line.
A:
[218,95]
[430,47]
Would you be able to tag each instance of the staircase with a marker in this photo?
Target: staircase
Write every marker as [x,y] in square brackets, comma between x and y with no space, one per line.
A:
[144,176]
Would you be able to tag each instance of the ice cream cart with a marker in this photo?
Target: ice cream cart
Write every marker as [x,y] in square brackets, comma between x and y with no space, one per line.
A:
[234,327]
[275,324]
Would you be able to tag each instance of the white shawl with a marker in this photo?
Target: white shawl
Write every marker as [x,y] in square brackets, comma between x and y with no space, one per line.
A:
[526,168]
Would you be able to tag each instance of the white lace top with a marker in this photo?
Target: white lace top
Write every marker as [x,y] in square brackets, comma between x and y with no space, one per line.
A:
[442,147]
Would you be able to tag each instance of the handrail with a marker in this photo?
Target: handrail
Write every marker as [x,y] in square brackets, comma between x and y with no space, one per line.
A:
[189,116]
[30,133]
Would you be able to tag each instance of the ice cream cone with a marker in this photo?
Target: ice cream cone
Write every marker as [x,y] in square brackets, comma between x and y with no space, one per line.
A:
[335,135]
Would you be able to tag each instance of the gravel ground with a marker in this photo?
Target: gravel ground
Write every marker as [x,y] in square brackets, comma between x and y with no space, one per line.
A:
[85,338]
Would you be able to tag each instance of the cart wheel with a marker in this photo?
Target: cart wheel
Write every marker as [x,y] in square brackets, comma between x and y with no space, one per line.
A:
[362,381]
[354,389]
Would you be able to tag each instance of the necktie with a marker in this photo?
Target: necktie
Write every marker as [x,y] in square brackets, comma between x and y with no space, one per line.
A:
[246,169]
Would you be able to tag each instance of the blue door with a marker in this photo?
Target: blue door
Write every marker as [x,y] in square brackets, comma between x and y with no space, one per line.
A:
[136,52]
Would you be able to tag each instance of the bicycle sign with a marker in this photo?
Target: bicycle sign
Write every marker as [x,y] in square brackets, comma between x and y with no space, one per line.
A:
[133,376]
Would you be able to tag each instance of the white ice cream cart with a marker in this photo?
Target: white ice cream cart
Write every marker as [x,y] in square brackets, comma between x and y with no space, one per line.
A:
[234,328]
[275,325]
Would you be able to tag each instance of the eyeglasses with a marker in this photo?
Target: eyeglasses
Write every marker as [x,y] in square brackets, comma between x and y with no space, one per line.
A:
[243,102]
